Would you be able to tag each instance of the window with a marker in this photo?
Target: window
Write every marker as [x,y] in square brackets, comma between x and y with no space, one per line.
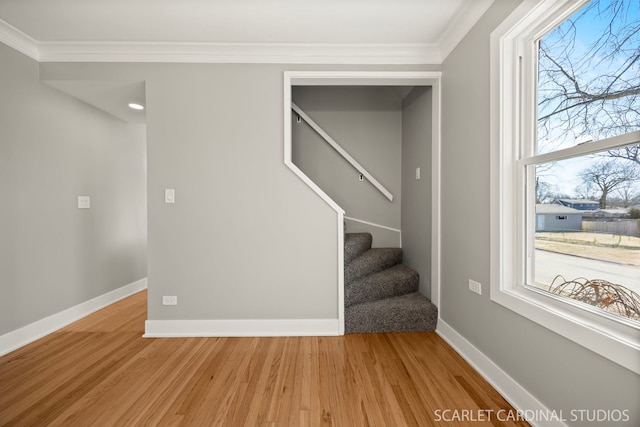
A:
[565,107]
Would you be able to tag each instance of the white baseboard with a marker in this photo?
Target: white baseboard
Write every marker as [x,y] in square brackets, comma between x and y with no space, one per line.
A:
[509,388]
[33,331]
[241,328]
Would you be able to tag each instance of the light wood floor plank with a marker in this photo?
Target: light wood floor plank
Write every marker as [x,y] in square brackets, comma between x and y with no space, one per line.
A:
[99,371]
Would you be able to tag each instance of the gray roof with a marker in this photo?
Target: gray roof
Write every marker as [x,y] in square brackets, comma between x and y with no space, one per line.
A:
[620,211]
[574,201]
[556,209]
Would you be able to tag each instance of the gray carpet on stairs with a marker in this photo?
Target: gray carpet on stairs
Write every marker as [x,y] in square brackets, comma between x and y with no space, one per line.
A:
[394,281]
[372,261]
[381,293]
[355,244]
[406,313]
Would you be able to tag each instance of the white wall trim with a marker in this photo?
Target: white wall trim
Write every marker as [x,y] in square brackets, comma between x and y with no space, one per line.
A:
[340,227]
[288,153]
[36,330]
[225,53]
[436,192]
[241,328]
[464,20]
[13,37]
[259,53]
[508,387]
[288,161]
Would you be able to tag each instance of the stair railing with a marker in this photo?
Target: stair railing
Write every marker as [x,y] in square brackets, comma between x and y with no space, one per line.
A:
[332,142]
[373,224]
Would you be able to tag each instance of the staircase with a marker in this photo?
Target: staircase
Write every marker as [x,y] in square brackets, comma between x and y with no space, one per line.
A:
[381,293]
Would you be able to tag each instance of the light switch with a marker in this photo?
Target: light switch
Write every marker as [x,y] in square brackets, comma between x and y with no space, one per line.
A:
[417,173]
[169,195]
[84,202]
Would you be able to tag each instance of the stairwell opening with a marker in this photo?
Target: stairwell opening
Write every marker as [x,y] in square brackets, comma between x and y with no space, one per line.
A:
[391,247]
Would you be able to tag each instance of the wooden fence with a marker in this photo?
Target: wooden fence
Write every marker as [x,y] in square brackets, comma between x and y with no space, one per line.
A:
[621,227]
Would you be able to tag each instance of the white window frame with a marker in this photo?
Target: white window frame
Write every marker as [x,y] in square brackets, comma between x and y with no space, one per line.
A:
[513,101]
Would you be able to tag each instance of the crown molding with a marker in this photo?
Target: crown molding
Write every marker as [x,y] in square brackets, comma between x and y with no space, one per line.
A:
[260,53]
[266,53]
[13,37]
[240,53]
[461,24]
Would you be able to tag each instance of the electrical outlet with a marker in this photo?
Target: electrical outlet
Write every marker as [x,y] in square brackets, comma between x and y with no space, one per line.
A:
[84,202]
[475,287]
[169,300]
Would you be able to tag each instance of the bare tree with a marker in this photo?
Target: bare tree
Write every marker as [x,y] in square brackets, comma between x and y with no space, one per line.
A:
[607,176]
[627,192]
[631,152]
[586,191]
[544,190]
[591,91]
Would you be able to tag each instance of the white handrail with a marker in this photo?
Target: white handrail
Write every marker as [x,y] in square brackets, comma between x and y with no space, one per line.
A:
[342,151]
[373,224]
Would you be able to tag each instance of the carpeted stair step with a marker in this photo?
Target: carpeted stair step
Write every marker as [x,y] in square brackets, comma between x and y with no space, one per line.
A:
[407,313]
[392,282]
[372,261]
[355,244]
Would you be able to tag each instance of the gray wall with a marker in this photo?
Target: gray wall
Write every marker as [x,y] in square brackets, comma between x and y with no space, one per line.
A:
[416,194]
[367,122]
[560,373]
[52,149]
[246,238]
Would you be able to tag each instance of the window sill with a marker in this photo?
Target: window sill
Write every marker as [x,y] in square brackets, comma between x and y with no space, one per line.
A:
[608,338]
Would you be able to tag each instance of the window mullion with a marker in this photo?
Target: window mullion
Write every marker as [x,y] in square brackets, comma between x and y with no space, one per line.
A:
[584,149]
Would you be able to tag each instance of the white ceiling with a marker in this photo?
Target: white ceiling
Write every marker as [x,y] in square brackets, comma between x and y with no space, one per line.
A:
[233,21]
[397,31]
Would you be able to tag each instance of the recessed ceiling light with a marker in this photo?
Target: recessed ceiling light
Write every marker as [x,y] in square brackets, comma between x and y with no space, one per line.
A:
[135,106]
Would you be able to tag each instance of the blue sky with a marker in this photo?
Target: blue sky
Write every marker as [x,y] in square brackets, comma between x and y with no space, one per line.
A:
[589,27]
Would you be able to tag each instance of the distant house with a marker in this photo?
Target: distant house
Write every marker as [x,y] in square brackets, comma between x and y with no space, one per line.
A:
[610,213]
[556,217]
[579,204]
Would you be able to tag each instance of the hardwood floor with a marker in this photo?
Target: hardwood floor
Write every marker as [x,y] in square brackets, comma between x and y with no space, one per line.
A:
[99,371]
